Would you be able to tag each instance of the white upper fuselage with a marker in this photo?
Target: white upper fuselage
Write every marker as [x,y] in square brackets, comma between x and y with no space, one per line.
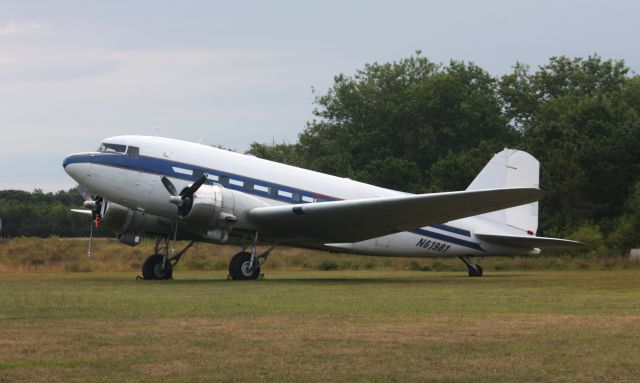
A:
[132,179]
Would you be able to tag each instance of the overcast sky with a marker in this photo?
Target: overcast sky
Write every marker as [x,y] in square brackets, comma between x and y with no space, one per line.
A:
[235,72]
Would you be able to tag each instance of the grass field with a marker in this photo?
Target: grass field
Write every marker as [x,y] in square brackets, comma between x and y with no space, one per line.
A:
[362,326]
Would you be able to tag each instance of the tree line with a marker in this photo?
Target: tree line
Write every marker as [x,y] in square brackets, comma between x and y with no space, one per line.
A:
[39,214]
[419,126]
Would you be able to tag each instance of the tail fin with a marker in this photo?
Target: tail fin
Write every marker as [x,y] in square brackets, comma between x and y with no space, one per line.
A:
[507,169]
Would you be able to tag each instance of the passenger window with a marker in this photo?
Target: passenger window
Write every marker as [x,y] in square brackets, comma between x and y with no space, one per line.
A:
[283,193]
[197,173]
[261,188]
[236,182]
[133,151]
[223,179]
[306,199]
[297,197]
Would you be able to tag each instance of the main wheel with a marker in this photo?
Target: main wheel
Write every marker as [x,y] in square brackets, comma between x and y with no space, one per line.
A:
[477,272]
[152,268]
[240,267]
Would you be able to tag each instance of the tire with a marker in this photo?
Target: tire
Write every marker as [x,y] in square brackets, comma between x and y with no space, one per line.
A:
[477,272]
[152,268]
[239,267]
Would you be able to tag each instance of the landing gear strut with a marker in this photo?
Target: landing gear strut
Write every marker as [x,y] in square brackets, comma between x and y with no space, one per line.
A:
[245,265]
[475,270]
[159,265]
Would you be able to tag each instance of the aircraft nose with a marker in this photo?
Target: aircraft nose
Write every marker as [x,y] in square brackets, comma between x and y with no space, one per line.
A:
[67,160]
[73,159]
[76,166]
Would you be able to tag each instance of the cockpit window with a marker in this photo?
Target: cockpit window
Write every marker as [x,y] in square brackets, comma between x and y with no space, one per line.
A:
[112,148]
[133,151]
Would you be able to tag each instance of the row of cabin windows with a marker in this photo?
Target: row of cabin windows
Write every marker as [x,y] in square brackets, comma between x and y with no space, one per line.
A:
[249,186]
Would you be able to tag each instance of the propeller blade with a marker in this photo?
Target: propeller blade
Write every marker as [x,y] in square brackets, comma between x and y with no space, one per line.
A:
[90,239]
[82,211]
[188,192]
[169,186]
[84,193]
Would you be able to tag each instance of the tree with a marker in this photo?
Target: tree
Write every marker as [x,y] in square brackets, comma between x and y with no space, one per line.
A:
[389,123]
[580,118]
[43,214]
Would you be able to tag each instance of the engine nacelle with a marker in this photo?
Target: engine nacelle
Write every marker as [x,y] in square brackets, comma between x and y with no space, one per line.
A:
[215,211]
[122,221]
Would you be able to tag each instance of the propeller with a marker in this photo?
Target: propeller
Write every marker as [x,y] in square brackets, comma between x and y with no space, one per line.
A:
[182,200]
[84,193]
[185,196]
[95,205]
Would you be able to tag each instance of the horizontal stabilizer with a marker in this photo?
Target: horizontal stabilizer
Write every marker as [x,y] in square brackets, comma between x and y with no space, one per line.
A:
[529,242]
[357,220]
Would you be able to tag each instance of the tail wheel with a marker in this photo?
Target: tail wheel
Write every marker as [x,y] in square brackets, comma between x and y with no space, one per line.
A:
[477,272]
[154,269]
[240,267]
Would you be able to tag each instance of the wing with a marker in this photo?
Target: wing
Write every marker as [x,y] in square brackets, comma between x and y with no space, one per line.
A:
[357,220]
[528,242]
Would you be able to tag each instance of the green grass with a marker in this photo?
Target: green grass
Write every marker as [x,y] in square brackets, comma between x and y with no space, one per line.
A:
[362,326]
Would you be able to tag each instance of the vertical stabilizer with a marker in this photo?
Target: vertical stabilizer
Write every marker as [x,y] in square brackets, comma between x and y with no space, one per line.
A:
[508,169]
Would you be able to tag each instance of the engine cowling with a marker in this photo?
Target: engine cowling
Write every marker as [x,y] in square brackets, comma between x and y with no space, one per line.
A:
[123,221]
[215,211]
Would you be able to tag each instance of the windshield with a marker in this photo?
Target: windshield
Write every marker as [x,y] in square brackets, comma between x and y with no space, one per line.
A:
[112,148]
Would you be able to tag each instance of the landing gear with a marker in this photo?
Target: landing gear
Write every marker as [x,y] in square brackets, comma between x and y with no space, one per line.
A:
[155,268]
[240,267]
[246,265]
[160,265]
[475,270]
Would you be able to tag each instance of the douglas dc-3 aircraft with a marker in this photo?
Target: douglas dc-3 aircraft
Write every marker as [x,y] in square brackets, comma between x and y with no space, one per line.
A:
[178,190]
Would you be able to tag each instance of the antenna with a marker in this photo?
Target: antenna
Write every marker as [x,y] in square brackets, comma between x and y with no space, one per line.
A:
[157,130]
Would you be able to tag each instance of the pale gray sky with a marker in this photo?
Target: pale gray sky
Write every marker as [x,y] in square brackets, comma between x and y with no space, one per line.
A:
[75,72]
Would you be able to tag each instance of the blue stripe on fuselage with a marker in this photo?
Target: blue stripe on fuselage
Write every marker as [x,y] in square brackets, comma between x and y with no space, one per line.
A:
[442,237]
[161,166]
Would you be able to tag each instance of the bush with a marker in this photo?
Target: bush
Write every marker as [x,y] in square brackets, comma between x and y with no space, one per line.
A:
[591,235]
[327,266]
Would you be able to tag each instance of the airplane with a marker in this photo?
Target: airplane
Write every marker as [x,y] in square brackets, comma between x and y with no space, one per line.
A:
[178,190]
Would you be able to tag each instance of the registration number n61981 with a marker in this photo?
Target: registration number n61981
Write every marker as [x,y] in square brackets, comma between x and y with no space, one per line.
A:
[432,245]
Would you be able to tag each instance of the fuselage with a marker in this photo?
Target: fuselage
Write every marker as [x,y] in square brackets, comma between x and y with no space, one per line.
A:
[127,171]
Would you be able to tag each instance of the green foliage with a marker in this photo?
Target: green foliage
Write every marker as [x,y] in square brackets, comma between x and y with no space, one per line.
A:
[626,234]
[591,234]
[284,153]
[633,206]
[43,214]
[580,118]
[328,266]
[409,114]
